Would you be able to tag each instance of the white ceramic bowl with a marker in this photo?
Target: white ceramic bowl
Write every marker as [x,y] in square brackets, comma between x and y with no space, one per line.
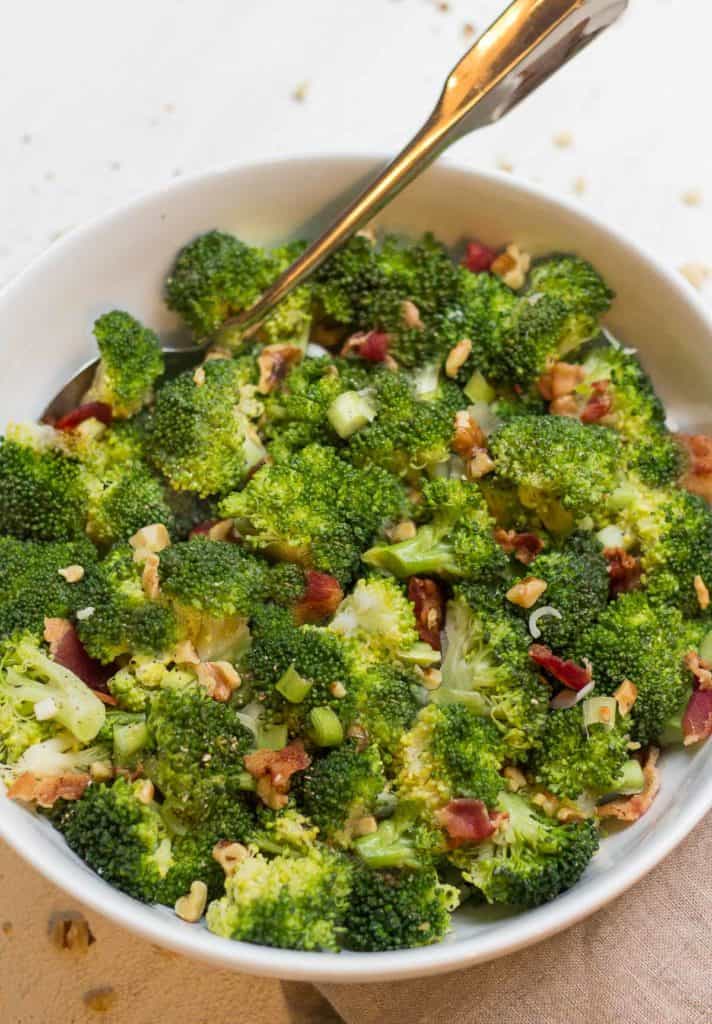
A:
[120,261]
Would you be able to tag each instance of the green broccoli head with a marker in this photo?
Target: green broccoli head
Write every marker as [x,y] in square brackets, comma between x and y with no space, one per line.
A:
[574,758]
[531,858]
[576,284]
[314,509]
[290,901]
[133,683]
[378,616]
[397,909]
[563,470]
[338,790]
[198,436]
[215,276]
[214,577]
[676,547]
[487,670]
[456,541]
[131,362]
[389,698]
[42,493]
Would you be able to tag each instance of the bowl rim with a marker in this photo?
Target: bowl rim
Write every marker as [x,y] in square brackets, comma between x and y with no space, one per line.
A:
[522,930]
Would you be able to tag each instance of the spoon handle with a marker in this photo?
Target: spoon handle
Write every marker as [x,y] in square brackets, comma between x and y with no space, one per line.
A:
[527,43]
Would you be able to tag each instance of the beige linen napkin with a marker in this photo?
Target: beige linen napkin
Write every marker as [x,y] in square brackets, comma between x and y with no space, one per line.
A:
[644,959]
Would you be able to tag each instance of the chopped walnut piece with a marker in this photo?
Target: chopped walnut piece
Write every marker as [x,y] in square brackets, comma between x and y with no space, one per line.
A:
[569,813]
[457,357]
[199,376]
[185,653]
[337,690]
[703,594]
[432,678]
[360,735]
[634,807]
[72,573]
[221,530]
[46,790]
[512,266]
[468,434]
[515,778]
[697,477]
[274,362]
[229,855]
[190,908]
[145,792]
[526,592]
[560,379]
[700,670]
[625,696]
[149,577]
[566,405]
[480,464]
[70,932]
[273,770]
[547,801]
[149,540]
[364,826]
[101,771]
[219,678]
[524,546]
[692,197]
[411,315]
[405,530]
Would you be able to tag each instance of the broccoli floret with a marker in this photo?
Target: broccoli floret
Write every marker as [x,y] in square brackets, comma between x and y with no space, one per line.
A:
[131,361]
[198,435]
[339,789]
[283,831]
[51,753]
[456,542]
[42,493]
[291,321]
[575,283]
[577,584]
[632,639]
[118,617]
[398,910]
[404,840]
[562,469]
[574,758]
[378,615]
[27,676]
[389,698]
[676,546]
[487,669]
[343,282]
[450,752]
[215,276]
[31,587]
[531,858]
[293,902]
[133,683]
[314,509]
[214,577]
[199,749]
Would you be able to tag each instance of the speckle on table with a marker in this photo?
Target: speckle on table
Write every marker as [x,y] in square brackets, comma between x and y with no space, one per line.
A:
[7,928]
[100,1000]
[300,92]
[504,164]
[468,30]
[563,140]
[578,186]
[692,197]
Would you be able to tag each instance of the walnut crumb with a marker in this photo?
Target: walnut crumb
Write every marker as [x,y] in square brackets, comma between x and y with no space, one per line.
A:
[625,696]
[404,530]
[579,186]
[562,140]
[503,164]
[70,932]
[479,465]
[72,573]
[696,273]
[512,266]
[457,357]
[468,30]
[703,594]
[199,376]
[190,908]
[229,855]
[301,92]
[692,197]
[515,778]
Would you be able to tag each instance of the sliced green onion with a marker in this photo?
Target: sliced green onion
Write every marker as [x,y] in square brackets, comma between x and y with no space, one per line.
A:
[630,780]
[128,740]
[293,687]
[271,737]
[420,654]
[706,647]
[349,412]
[326,728]
[599,711]
[478,390]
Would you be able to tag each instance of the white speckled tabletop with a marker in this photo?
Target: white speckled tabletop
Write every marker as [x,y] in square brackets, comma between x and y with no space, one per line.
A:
[102,101]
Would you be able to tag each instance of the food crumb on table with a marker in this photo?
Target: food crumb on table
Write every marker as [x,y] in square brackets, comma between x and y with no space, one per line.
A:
[695,273]
[563,140]
[692,197]
[300,92]
[100,1000]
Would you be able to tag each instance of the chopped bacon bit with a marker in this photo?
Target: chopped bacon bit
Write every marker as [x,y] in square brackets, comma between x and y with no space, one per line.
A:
[559,380]
[698,476]
[273,770]
[465,821]
[625,696]
[89,411]
[274,362]
[702,593]
[45,790]
[322,596]
[213,529]
[66,649]
[567,672]
[634,807]
[700,670]
[697,720]
[478,257]
[624,571]
[524,546]
[219,679]
[427,597]
[468,434]
[369,345]
[599,404]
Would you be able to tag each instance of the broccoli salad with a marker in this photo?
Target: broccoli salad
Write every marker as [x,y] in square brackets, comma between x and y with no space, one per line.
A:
[386,609]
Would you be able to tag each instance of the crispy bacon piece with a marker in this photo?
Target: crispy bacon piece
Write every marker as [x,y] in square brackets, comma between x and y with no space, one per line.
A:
[427,597]
[466,821]
[273,770]
[66,649]
[478,257]
[697,720]
[322,596]
[624,571]
[370,345]
[91,410]
[700,670]
[559,380]
[633,807]
[524,546]
[274,362]
[697,478]
[567,672]
[599,404]
[45,790]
